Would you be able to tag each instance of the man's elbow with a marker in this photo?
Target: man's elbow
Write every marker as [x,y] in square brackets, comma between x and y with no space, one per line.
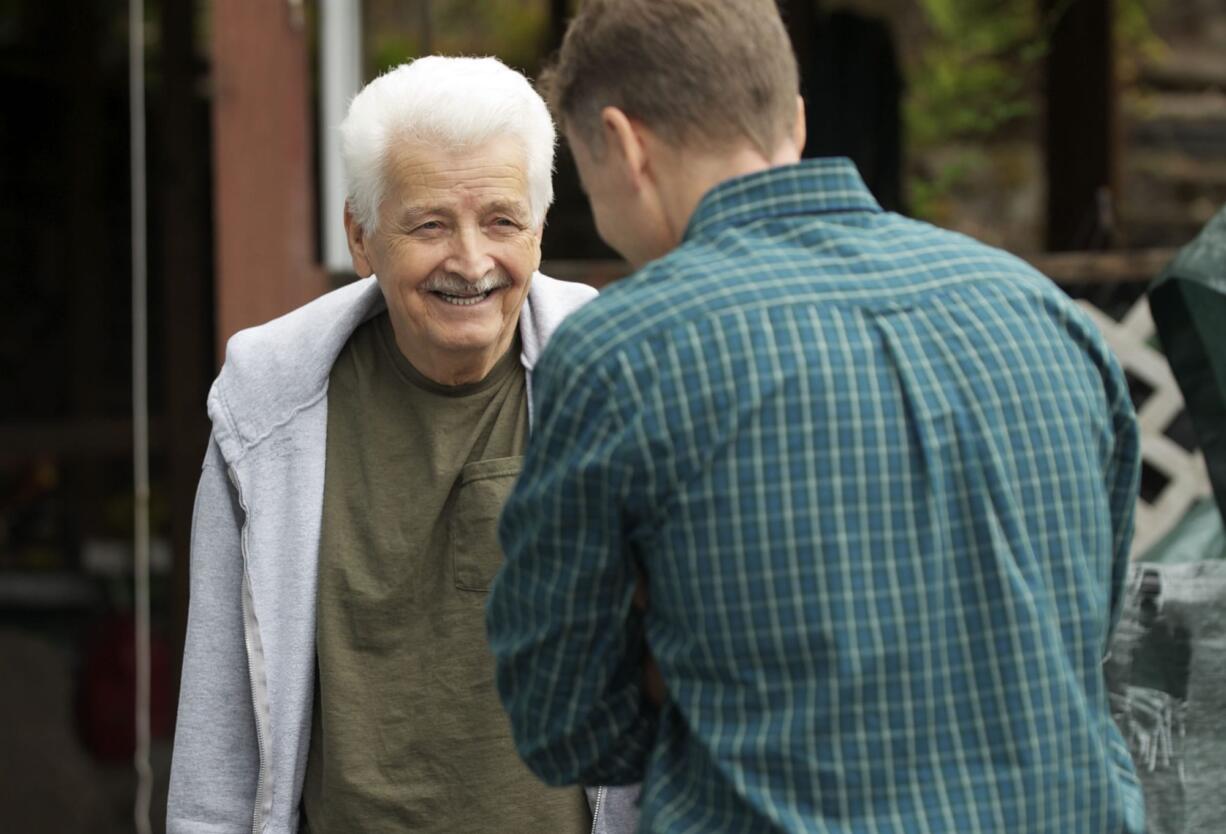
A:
[584,758]
[554,762]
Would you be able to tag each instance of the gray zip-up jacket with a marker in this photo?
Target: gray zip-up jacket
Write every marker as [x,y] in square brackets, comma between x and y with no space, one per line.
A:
[244,719]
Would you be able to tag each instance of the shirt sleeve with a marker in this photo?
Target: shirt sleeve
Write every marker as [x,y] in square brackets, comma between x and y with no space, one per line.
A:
[567,640]
[1123,482]
[215,767]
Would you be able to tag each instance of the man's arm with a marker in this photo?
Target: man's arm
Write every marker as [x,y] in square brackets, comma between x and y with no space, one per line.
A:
[216,762]
[1123,478]
[567,639]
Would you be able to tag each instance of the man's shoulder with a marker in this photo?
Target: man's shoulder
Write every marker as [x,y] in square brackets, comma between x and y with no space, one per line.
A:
[592,332]
[564,296]
[825,269]
[632,314]
[276,367]
[628,305]
[307,327]
[550,303]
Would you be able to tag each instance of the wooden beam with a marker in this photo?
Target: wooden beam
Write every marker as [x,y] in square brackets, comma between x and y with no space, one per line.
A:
[264,204]
[559,17]
[1119,267]
[800,17]
[88,323]
[1081,129]
[183,261]
[96,326]
[595,273]
[90,439]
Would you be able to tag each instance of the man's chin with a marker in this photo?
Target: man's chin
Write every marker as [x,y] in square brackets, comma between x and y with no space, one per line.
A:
[468,337]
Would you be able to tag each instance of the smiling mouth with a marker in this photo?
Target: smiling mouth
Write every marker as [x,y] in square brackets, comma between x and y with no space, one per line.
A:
[464,300]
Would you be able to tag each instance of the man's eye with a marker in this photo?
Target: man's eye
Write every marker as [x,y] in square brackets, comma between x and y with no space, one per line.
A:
[507,222]
[429,226]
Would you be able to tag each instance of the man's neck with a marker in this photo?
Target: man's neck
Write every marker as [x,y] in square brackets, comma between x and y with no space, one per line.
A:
[452,369]
[689,175]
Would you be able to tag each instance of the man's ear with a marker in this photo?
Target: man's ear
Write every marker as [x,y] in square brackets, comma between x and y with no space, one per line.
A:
[356,237]
[537,236]
[799,129]
[623,140]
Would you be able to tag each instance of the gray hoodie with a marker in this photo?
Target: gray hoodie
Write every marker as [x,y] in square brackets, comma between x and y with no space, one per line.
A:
[249,662]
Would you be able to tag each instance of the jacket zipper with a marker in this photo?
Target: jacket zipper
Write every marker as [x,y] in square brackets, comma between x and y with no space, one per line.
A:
[257,817]
[596,810]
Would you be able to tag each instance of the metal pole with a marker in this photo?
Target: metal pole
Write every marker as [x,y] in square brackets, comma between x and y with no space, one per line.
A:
[140,405]
[340,39]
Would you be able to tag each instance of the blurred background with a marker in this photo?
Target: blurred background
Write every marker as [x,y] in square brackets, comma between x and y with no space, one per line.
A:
[1088,136]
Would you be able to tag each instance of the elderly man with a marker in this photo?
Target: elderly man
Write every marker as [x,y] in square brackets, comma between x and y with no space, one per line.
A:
[344,536]
[879,480]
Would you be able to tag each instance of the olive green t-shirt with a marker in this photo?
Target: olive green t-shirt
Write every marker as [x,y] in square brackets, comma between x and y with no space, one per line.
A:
[407,731]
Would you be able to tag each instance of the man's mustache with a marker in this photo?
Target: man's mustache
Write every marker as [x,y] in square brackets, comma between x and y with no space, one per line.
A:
[451,284]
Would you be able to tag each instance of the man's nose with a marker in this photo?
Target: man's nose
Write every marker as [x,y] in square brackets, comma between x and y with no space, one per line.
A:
[470,256]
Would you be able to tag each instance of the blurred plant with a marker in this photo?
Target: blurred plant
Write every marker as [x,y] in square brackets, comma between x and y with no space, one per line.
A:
[1135,36]
[512,30]
[979,74]
[929,194]
[391,49]
[973,76]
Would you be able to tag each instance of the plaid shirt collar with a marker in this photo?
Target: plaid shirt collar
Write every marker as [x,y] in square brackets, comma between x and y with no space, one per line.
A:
[814,186]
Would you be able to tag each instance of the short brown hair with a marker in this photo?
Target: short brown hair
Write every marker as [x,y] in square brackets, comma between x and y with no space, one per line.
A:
[707,73]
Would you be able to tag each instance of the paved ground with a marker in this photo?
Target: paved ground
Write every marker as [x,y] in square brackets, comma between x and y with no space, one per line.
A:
[49,784]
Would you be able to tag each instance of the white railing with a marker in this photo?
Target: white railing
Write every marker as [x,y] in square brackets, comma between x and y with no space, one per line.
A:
[1187,477]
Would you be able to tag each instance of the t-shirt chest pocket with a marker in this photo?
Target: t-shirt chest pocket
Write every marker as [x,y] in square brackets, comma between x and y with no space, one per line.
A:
[475,552]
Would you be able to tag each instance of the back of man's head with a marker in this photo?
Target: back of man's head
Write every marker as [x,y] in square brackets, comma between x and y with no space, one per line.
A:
[700,73]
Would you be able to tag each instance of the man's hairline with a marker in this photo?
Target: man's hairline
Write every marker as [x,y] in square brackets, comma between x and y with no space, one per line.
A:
[596,147]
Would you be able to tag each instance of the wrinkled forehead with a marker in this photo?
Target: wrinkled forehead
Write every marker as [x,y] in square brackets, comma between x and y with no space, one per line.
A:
[452,174]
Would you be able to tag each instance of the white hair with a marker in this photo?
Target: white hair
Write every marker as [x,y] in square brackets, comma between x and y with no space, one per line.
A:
[449,102]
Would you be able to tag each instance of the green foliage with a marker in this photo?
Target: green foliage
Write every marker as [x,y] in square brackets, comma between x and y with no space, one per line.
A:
[929,195]
[972,77]
[1135,36]
[977,76]
[391,49]
[512,30]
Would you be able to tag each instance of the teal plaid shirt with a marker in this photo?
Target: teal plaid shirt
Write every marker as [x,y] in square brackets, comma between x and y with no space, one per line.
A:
[880,479]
